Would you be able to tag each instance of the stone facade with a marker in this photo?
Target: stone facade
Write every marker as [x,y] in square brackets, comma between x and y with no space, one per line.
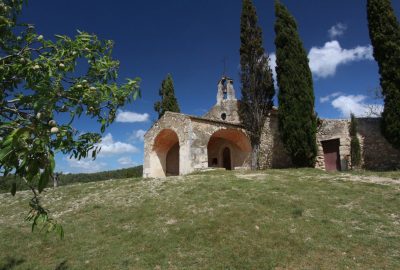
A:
[377,152]
[226,108]
[201,143]
[331,129]
[179,144]
[272,151]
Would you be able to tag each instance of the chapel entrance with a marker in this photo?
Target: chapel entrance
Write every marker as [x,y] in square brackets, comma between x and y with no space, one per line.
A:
[172,166]
[226,155]
[331,154]
[228,148]
[165,155]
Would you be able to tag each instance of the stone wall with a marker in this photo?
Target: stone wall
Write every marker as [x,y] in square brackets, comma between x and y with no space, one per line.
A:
[179,124]
[272,151]
[215,152]
[202,130]
[331,129]
[227,109]
[377,152]
[195,153]
[194,134]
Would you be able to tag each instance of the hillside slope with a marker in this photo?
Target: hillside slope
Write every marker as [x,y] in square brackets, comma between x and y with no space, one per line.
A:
[284,219]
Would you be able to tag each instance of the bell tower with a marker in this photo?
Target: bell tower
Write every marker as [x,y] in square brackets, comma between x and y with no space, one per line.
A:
[226,108]
[225,90]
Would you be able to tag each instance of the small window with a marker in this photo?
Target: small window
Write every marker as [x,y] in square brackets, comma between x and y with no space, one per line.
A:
[225,95]
[223,116]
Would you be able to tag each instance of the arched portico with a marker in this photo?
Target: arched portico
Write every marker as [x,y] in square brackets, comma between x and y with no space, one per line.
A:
[164,156]
[228,148]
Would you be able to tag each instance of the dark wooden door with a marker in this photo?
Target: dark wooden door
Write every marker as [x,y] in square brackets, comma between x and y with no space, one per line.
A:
[331,155]
[227,159]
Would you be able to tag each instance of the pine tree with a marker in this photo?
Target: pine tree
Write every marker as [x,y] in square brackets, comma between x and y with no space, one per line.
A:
[296,115]
[168,100]
[355,143]
[256,78]
[384,31]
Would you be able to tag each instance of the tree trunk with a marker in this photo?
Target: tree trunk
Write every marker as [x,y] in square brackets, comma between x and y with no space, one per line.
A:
[254,157]
[55,180]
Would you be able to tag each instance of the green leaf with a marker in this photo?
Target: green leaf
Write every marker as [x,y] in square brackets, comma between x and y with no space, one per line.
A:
[52,163]
[5,152]
[60,231]
[136,94]
[43,181]
[34,223]
[9,138]
[20,133]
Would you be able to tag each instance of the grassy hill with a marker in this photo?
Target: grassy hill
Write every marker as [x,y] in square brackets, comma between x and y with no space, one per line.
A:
[278,219]
[67,179]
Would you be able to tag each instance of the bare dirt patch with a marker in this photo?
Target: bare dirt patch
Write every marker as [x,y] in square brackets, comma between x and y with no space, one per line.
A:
[334,177]
[371,179]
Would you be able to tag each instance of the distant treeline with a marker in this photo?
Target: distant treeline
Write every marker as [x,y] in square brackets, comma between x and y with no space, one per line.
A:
[66,179]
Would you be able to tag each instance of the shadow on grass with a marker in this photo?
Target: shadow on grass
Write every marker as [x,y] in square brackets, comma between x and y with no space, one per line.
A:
[62,266]
[10,263]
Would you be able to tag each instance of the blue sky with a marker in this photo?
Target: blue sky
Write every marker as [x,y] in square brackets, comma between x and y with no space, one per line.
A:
[190,39]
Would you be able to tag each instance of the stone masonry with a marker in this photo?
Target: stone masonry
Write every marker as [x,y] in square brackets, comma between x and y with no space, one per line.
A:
[178,144]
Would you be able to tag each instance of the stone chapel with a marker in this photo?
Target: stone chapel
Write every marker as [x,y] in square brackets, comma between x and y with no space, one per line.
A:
[179,144]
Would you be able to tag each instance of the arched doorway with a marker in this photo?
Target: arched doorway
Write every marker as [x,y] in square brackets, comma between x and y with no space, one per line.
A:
[165,154]
[229,148]
[226,159]
[172,161]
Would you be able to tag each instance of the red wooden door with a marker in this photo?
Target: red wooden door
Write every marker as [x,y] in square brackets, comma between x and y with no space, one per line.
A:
[331,155]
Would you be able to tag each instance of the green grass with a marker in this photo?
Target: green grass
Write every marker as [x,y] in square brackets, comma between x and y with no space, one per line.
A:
[68,179]
[278,219]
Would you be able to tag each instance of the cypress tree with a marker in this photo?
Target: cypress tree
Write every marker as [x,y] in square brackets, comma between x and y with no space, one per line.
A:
[296,115]
[256,78]
[384,31]
[354,143]
[168,100]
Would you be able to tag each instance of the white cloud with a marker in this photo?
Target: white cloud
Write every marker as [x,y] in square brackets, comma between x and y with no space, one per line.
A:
[337,30]
[126,161]
[325,60]
[109,147]
[357,105]
[329,97]
[272,65]
[87,165]
[131,117]
[138,135]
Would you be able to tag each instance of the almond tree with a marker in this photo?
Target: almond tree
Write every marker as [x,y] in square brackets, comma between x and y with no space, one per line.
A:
[39,80]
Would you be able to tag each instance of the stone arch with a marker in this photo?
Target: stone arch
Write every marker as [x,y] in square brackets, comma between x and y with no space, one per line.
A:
[238,145]
[165,154]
